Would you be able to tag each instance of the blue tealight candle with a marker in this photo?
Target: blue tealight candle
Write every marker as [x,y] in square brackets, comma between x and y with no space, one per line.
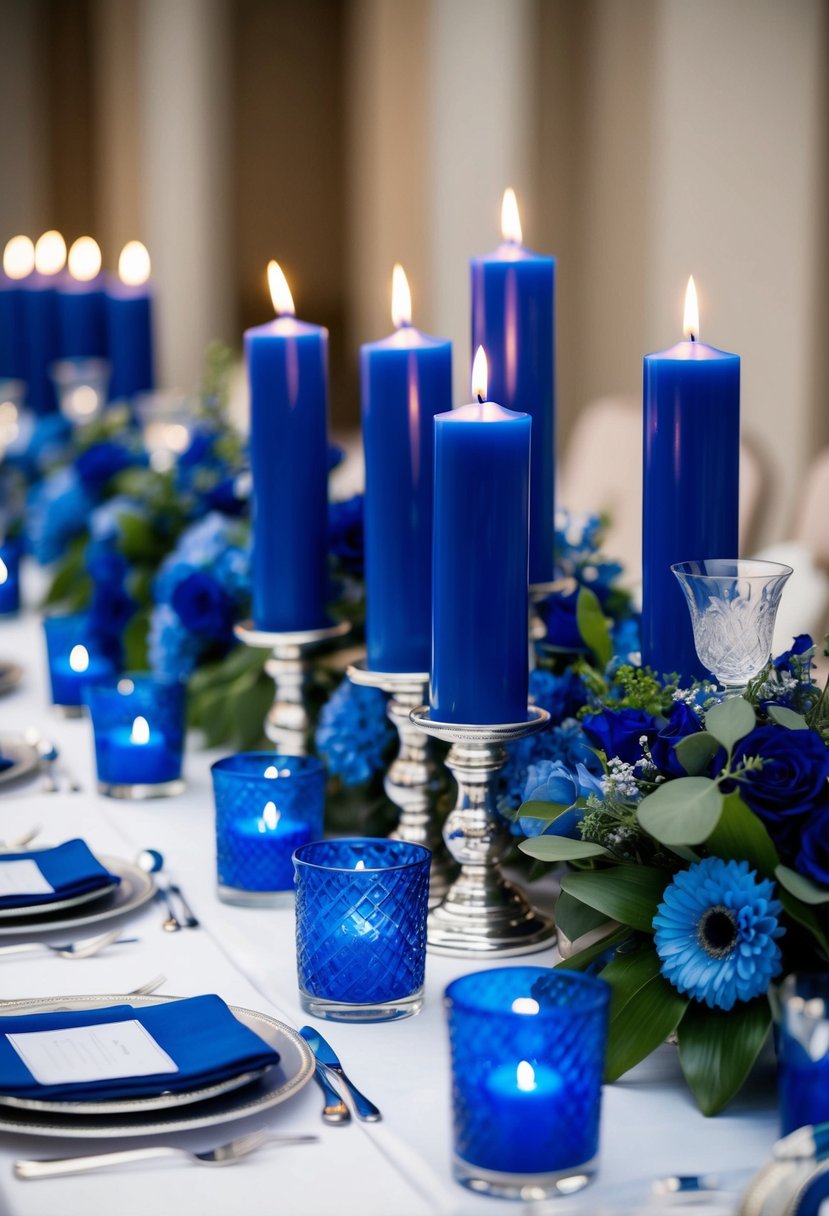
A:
[130,325]
[40,319]
[513,318]
[691,483]
[406,380]
[138,722]
[18,264]
[479,597]
[287,362]
[10,552]
[82,304]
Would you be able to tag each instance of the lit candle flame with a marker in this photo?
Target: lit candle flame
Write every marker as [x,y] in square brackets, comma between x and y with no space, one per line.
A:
[480,375]
[401,297]
[510,219]
[140,732]
[525,1076]
[283,301]
[4,572]
[361,865]
[50,253]
[690,321]
[19,257]
[79,658]
[525,1004]
[270,771]
[84,259]
[134,264]
[270,816]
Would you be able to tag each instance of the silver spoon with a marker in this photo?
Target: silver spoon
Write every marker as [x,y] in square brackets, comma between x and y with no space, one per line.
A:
[151,861]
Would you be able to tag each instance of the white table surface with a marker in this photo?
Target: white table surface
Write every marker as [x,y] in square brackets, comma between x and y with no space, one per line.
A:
[650,1126]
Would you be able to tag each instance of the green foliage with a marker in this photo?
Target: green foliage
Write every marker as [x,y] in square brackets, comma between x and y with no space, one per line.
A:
[741,836]
[695,752]
[560,848]
[717,1049]
[628,894]
[587,957]
[802,888]
[644,1009]
[787,717]
[730,720]
[682,812]
[593,627]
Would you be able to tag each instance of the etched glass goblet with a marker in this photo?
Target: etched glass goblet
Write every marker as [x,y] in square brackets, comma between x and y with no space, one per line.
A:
[733,604]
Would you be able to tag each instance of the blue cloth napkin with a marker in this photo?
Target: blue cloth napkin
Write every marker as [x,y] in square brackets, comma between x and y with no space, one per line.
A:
[200,1034]
[5,762]
[70,868]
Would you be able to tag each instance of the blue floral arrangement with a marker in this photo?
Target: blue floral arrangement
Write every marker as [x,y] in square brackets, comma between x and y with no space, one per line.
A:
[696,832]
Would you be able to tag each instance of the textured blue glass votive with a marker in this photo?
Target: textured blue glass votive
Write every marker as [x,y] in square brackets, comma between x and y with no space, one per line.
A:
[76,660]
[361,928]
[802,1016]
[528,1051]
[10,551]
[267,805]
[139,736]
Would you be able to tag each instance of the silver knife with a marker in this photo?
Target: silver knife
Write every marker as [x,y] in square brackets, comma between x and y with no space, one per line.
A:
[326,1055]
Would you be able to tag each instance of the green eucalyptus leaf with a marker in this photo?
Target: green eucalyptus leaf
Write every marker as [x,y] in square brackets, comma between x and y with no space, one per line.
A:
[804,889]
[135,639]
[644,1009]
[628,894]
[695,752]
[683,811]
[730,720]
[585,958]
[717,1049]
[741,836]
[592,625]
[560,848]
[575,919]
[535,809]
[787,717]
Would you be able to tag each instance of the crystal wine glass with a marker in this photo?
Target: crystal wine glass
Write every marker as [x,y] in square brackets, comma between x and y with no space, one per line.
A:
[733,604]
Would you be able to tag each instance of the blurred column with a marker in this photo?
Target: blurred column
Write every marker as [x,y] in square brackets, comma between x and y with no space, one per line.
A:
[184,103]
[24,203]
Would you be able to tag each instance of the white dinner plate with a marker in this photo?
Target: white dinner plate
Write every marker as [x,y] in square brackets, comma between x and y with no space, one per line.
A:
[24,756]
[10,676]
[57,905]
[134,890]
[186,1112]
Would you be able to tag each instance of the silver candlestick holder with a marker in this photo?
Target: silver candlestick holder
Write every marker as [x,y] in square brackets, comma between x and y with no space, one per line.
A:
[481,914]
[288,721]
[412,781]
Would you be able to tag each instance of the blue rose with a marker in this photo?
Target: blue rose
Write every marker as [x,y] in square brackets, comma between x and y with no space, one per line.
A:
[792,777]
[224,496]
[799,646]
[203,606]
[104,563]
[555,782]
[558,612]
[100,463]
[813,858]
[618,731]
[110,609]
[682,722]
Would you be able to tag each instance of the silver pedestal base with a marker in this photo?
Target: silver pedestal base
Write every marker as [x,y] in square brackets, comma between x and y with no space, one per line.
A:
[481,914]
[288,723]
[412,780]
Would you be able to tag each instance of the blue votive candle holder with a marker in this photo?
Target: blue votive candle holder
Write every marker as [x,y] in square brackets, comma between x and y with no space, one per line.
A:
[76,661]
[139,736]
[528,1050]
[802,1016]
[10,551]
[361,928]
[267,805]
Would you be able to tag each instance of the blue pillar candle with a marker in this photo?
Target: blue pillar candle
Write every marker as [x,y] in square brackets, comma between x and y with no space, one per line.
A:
[479,668]
[10,551]
[287,364]
[513,318]
[691,484]
[18,264]
[406,379]
[82,304]
[129,323]
[40,320]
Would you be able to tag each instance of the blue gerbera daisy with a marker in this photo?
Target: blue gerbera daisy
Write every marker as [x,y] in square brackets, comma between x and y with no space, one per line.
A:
[715,932]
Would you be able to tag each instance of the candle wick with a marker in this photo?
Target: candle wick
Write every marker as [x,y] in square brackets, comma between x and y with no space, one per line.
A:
[480,399]
[693,337]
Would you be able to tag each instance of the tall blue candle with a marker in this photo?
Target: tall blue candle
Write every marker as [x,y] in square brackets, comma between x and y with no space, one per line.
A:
[479,591]
[406,379]
[287,362]
[18,264]
[130,325]
[691,483]
[40,320]
[82,304]
[513,318]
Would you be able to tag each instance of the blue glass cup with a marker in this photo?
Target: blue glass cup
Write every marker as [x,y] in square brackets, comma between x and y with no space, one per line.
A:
[10,552]
[801,1007]
[139,725]
[361,928]
[267,805]
[528,1050]
[76,660]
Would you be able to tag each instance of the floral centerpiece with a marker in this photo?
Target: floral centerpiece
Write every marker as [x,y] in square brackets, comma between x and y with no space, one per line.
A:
[698,856]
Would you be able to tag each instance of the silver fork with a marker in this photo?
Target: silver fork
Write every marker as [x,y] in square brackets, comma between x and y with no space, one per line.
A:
[73,950]
[223,1154]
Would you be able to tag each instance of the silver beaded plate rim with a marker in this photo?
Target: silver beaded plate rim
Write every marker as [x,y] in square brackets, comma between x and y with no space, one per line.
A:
[134,890]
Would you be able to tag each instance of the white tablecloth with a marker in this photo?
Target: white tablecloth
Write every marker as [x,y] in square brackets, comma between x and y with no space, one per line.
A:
[650,1126]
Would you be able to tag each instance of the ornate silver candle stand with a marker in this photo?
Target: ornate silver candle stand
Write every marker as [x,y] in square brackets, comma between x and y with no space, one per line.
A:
[412,780]
[482,913]
[288,722]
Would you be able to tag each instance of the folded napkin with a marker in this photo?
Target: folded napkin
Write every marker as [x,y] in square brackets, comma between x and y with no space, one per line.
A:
[5,762]
[201,1039]
[69,869]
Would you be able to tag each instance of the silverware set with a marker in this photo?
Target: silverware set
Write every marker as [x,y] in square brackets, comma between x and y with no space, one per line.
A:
[84,947]
[329,1067]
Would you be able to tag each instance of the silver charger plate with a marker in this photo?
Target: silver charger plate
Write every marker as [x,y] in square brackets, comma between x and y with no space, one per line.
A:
[24,756]
[134,890]
[294,1070]
[137,1105]
[57,905]
[10,676]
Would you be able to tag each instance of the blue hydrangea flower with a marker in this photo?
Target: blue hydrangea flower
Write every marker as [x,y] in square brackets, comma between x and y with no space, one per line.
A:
[173,650]
[232,571]
[715,933]
[561,695]
[345,533]
[105,520]
[204,542]
[56,512]
[353,733]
